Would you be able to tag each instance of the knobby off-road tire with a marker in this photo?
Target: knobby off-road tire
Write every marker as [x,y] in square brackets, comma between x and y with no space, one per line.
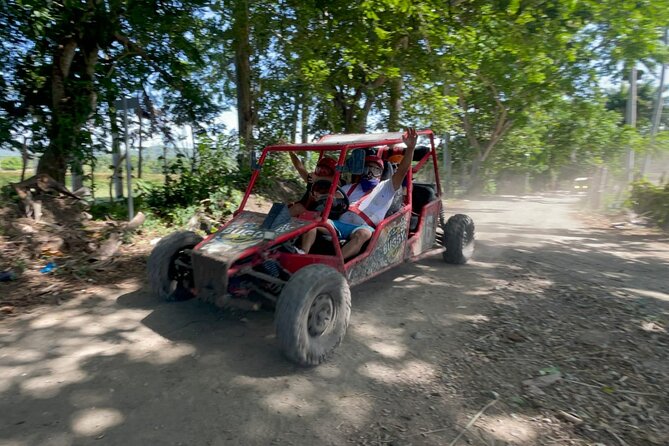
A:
[458,239]
[164,278]
[312,314]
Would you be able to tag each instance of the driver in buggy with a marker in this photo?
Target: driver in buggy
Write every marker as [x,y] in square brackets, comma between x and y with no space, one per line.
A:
[369,200]
[324,171]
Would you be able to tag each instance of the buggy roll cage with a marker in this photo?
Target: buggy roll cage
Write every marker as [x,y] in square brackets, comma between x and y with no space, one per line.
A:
[343,143]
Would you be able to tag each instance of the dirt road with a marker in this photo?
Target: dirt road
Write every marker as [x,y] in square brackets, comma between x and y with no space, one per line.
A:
[556,329]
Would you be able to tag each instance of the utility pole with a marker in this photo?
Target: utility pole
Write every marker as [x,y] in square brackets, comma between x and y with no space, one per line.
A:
[630,119]
[140,161]
[128,162]
[126,104]
[657,114]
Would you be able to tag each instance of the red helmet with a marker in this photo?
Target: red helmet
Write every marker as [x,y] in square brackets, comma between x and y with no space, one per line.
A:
[325,167]
[374,160]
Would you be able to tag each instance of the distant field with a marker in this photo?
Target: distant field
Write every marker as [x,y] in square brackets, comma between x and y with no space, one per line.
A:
[9,177]
[101,180]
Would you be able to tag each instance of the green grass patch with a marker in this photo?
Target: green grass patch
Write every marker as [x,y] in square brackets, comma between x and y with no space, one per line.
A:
[9,177]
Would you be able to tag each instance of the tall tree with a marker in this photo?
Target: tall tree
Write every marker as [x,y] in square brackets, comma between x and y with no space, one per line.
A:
[501,58]
[241,43]
[59,47]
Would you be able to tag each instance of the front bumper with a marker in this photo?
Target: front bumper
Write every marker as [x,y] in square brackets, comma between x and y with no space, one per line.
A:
[210,277]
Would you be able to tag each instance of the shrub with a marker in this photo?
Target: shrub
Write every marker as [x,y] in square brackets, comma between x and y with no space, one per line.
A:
[651,201]
[207,187]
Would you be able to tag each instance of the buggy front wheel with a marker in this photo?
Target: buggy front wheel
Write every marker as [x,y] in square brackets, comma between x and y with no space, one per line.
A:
[169,266]
[312,314]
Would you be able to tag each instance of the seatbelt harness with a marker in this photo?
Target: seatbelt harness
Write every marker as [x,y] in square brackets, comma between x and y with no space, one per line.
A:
[355,208]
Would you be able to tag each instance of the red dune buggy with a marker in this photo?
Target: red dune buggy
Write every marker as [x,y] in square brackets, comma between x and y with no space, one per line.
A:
[256,258]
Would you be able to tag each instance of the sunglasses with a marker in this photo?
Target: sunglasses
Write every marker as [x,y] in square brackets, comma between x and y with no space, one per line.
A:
[373,169]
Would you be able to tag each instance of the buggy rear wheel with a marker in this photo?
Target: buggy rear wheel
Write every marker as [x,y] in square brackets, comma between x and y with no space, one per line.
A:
[169,266]
[312,314]
[458,239]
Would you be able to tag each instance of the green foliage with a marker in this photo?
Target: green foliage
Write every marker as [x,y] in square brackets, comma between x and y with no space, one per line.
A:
[277,166]
[482,71]
[651,201]
[11,163]
[568,138]
[646,97]
[60,58]
[116,210]
[208,186]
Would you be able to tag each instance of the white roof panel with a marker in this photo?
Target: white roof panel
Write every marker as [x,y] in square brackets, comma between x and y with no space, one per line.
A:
[353,138]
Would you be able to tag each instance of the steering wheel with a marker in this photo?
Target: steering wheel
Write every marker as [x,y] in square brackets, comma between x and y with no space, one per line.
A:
[339,204]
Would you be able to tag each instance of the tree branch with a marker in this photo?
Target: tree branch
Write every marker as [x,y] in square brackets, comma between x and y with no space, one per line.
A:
[129,44]
[466,124]
[496,137]
[66,56]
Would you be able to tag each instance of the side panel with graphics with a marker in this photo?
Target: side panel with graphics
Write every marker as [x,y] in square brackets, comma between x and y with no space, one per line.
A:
[426,232]
[388,250]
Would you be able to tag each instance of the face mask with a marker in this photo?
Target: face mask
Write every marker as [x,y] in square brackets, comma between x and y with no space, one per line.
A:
[367,183]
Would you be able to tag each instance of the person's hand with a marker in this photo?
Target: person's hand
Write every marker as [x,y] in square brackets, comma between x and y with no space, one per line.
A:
[410,137]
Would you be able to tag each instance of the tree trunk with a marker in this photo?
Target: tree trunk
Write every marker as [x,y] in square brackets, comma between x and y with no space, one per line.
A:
[304,132]
[474,183]
[354,117]
[53,163]
[25,158]
[77,178]
[243,79]
[395,106]
[71,103]
[294,120]
[501,125]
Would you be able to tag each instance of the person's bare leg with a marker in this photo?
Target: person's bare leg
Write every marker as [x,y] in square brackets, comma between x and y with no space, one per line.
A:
[308,239]
[358,238]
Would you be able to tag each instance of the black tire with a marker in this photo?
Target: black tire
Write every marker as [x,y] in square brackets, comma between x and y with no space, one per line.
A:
[312,314]
[458,239]
[168,280]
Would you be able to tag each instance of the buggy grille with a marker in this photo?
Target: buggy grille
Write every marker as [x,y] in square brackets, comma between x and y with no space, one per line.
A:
[210,277]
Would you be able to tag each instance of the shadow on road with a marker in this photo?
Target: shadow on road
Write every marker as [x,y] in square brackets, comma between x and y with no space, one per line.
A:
[429,345]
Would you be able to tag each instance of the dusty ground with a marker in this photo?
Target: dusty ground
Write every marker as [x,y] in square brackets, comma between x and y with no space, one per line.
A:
[554,335]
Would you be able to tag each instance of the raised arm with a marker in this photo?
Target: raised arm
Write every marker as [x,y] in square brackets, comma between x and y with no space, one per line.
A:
[410,138]
[297,163]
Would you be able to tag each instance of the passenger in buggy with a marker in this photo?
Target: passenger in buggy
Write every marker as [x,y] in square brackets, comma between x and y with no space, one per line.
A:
[369,199]
[325,170]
